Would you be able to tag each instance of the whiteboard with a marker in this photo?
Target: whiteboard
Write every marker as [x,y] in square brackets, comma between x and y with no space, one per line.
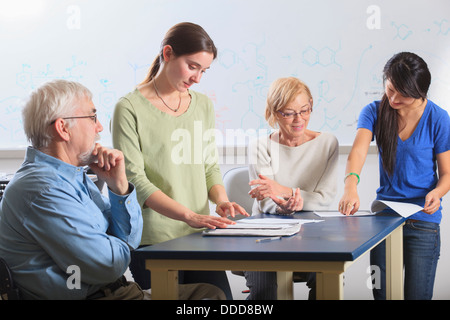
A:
[337,47]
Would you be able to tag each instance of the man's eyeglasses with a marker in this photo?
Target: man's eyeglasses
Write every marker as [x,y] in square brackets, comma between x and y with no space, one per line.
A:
[94,117]
[291,115]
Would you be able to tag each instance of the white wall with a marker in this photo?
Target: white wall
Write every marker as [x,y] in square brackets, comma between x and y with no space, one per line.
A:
[337,47]
[356,276]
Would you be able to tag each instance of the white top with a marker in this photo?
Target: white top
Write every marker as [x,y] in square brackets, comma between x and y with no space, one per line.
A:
[312,167]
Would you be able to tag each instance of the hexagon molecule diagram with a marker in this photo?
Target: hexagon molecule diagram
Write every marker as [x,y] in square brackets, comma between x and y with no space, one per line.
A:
[324,57]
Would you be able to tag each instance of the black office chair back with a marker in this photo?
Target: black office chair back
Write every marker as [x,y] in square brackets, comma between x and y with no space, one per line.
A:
[8,291]
[4,180]
[2,189]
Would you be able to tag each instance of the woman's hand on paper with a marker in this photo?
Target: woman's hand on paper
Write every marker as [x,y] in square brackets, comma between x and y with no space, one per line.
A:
[207,221]
[349,203]
[228,208]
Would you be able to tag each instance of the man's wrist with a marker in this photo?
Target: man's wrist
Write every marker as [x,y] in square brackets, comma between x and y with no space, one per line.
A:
[122,190]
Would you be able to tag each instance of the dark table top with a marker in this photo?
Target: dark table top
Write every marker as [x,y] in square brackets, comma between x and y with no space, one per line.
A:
[333,239]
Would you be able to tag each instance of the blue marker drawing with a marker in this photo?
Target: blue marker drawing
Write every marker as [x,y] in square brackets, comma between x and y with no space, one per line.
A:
[357,76]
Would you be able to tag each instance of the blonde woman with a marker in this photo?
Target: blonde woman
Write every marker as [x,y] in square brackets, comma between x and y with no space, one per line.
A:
[292,169]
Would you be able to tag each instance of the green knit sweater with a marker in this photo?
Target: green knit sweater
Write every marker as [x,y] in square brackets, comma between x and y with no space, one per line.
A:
[176,155]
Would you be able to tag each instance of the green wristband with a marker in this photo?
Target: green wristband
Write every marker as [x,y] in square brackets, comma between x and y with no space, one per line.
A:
[351,174]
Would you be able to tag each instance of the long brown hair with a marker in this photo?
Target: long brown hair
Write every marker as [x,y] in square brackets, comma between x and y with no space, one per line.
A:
[184,38]
[410,76]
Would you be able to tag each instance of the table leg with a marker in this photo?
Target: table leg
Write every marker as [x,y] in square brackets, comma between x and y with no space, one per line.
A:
[394,265]
[329,286]
[285,283]
[164,285]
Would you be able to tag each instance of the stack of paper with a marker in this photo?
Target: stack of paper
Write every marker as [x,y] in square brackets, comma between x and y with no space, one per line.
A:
[271,227]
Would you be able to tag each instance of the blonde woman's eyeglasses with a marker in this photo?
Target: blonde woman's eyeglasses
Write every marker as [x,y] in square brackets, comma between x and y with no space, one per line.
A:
[290,115]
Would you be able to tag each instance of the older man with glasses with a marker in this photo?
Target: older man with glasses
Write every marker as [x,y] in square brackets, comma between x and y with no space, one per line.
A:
[60,236]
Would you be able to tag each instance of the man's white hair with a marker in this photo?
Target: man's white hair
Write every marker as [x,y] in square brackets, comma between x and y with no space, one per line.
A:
[53,100]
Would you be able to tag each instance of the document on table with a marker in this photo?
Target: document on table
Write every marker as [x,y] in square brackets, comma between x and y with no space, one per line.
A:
[271,227]
[402,208]
[328,214]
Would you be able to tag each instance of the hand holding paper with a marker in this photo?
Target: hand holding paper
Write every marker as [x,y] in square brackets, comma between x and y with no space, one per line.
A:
[402,208]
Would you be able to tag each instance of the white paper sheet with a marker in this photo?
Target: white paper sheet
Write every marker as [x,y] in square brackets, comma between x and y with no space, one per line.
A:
[401,208]
[269,227]
[289,231]
[328,214]
[273,221]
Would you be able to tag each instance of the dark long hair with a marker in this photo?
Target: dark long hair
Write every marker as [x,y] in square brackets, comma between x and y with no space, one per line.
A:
[410,76]
[184,38]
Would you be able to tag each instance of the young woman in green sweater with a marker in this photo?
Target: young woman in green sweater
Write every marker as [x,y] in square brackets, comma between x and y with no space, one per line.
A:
[166,132]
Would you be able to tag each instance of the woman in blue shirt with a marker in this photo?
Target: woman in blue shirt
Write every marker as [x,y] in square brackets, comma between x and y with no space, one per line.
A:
[413,138]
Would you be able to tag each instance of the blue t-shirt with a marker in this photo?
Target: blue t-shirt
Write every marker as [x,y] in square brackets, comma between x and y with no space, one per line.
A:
[415,172]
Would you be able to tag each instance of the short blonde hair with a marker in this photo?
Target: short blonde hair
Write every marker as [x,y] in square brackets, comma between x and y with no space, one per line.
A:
[281,92]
